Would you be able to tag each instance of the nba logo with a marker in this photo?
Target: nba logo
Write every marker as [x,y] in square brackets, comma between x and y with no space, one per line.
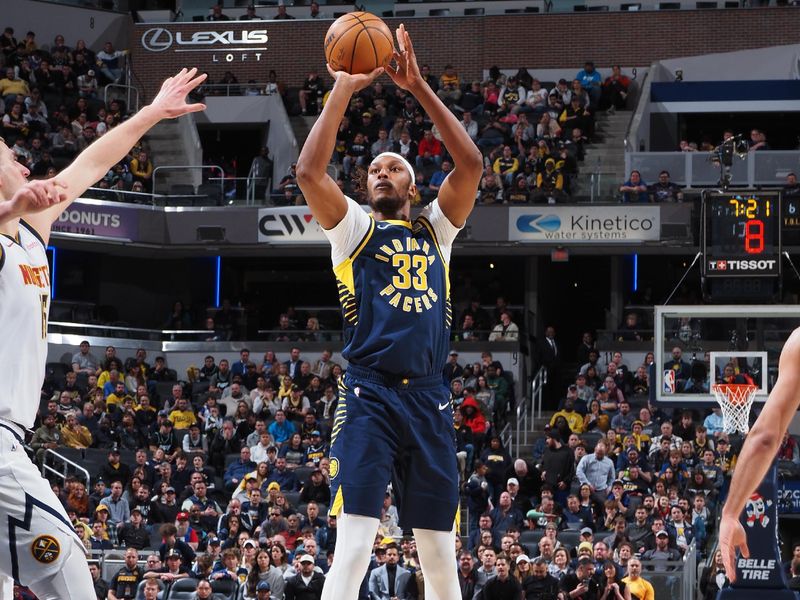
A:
[669,381]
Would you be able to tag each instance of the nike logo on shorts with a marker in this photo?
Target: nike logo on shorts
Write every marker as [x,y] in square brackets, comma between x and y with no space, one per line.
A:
[444,406]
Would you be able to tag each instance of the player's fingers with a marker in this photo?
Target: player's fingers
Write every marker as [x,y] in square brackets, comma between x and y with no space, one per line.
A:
[196,107]
[400,38]
[744,549]
[331,71]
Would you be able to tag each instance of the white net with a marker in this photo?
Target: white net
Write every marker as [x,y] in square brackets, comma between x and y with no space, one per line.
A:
[735,401]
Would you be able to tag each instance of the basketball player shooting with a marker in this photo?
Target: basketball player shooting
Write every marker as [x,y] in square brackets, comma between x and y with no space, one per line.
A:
[39,547]
[394,413]
[758,452]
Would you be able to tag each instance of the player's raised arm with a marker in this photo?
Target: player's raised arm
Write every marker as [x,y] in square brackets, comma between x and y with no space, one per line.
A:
[92,164]
[759,450]
[322,195]
[457,192]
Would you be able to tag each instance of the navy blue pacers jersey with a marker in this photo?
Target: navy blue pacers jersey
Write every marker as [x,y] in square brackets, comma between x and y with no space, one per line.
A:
[394,289]
[394,419]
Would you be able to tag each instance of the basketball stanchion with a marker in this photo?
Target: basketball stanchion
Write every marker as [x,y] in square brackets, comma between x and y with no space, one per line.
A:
[760,575]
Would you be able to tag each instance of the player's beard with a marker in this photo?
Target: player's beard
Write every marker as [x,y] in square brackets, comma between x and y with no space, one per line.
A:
[389,205]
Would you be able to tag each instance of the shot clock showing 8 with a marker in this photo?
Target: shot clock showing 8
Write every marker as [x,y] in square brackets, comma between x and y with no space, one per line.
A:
[742,234]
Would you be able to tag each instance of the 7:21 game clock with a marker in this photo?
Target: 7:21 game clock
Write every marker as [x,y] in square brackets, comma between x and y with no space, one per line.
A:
[741,234]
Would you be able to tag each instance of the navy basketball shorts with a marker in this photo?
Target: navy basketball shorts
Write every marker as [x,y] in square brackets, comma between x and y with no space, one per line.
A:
[399,430]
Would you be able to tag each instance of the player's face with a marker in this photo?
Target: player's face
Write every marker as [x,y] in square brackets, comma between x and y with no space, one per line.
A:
[389,185]
[13,175]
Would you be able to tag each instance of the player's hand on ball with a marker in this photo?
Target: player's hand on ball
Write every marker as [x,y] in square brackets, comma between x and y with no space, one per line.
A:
[171,99]
[731,537]
[36,196]
[406,74]
[358,81]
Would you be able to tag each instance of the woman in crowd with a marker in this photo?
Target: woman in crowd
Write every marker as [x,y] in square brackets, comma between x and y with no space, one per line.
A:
[612,587]
[264,571]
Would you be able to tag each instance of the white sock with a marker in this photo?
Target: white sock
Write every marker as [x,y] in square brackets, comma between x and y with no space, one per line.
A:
[355,536]
[437,558]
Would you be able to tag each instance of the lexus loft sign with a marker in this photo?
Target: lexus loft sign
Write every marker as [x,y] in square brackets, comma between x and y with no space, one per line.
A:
[221,46]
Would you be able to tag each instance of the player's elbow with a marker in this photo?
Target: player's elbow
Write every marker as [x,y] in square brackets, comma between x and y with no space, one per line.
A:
[763,441]
[472,159]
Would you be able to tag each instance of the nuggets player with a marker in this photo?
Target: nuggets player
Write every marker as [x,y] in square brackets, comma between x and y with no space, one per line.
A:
[393,420]
[759,450]
[38,546]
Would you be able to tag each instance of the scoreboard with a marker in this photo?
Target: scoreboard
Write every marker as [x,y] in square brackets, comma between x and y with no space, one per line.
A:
[742,234]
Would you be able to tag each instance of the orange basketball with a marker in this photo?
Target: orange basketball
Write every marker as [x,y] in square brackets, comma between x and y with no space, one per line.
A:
[358,42]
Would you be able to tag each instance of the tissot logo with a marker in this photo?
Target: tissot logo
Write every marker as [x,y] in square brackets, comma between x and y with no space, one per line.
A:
[159,39]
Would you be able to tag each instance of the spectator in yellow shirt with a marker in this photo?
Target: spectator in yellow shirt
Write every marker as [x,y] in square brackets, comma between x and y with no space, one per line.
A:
[11,86]
[639,588]
[574,419]
[182,416]
[75,435]
[449,86]
[118,396]
[142,170]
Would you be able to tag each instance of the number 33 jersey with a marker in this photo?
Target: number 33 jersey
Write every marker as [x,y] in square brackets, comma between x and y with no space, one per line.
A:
[24,305]
[393,280]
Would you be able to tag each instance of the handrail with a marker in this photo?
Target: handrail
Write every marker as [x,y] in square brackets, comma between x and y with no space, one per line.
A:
[65,463]
[635,113]
[537,385]
[130,108]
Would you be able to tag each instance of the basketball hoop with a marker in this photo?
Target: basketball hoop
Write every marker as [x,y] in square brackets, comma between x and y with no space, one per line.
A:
[735,399]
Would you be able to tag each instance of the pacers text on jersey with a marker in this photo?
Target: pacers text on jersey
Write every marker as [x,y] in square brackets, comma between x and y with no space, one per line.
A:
[411,274]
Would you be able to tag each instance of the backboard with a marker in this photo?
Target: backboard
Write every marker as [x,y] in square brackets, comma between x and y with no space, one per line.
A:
[696,346]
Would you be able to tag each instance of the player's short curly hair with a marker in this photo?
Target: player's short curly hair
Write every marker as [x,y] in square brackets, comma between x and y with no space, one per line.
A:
[360,188]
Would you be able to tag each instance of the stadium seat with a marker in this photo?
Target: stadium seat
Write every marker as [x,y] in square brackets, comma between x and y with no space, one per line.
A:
[163,390]
[183,589]
[302,474]
[569,537]
[211,191]
[229,458]
[531,538]
[292,498]
[590,438]
[226,588]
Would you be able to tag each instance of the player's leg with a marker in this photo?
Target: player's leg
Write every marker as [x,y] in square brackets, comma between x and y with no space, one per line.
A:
[437,551]
[37,541]
[364,443]
[429,504]
[71,581]
[354,538]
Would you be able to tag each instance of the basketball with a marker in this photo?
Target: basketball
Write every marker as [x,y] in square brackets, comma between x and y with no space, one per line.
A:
[358,42]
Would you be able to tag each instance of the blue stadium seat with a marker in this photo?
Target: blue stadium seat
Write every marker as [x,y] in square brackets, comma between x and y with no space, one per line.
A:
[225,587]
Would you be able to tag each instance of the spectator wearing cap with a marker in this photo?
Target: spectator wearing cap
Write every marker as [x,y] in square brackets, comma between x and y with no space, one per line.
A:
[316,489]
[114,470]
[451,368]
[263,590]
[316,450]
[167,506]
[173,569]
[134,534]
[125,581]
[307,584]
[662,550]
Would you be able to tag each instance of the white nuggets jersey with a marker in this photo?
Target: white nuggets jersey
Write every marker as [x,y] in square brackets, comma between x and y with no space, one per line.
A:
[24,305]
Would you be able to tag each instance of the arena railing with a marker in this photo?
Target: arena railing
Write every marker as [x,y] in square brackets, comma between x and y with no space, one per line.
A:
[51,467]
[524,424]
[697,169]
[129,92]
